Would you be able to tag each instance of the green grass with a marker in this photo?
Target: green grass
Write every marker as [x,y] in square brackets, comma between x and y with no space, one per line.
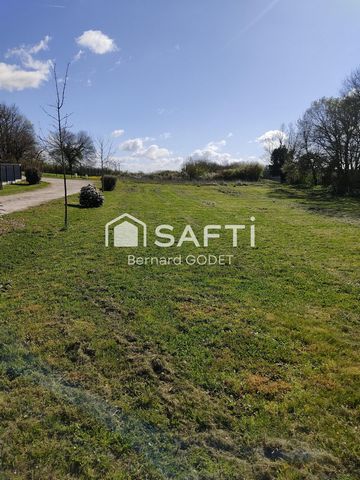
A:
[70,177]
[248,371]
[21,187]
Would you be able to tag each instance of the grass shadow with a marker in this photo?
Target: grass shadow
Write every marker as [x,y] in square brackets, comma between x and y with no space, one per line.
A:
[75,205]
[320,200]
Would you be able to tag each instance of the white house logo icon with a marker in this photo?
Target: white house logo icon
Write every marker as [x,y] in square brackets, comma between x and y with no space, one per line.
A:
[126,231]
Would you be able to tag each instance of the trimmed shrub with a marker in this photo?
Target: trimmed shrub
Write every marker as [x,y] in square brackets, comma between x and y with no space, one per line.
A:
[90,197]
[32,175]
[109,183]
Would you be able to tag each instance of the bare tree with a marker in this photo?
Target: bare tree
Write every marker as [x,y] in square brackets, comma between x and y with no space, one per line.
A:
[17,137]
[352,84]
[104,152]
[308,155]
[325,146]
[115,164]
[78,149]
[56,140]
[333,130]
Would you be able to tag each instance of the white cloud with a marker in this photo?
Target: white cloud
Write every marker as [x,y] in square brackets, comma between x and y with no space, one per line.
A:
[136,164]
[154,152]
[133,145]
[213,153]
[118,133]
[42,45]
[230,134]
[272,139]
[97,42]
[12,77]
[216,146]
[78,55]
[31,73]
[25,52]
[210,155]
[138,149]
[140,156]
[147,158]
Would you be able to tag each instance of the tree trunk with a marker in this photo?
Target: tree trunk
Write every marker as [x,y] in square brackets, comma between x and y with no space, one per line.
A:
[314,175]
[65,201]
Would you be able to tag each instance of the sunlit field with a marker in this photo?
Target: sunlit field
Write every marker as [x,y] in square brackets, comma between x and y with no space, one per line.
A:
[243,371]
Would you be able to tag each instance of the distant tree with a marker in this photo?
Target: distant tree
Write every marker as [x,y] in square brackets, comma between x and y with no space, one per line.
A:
[78,149]
[196,168]
[279,156]
[17,138]
[303,169]
[104,154]
[191,169]
[308,154]
[324,147]
[351,86]
[336,137]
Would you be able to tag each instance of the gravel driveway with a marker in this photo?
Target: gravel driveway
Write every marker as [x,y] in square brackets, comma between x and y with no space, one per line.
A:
[22,201]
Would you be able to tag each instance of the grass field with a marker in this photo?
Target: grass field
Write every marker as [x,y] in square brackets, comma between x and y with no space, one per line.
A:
[21,187]
[59,175]
[248,371]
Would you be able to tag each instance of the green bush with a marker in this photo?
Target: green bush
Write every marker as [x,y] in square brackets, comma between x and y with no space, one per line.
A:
[195,169]
[32,175]
[229,174]
[206,170]
[90,197]
[251,172]
[109,183]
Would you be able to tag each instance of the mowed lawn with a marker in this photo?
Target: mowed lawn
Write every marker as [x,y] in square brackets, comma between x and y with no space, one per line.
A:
[20,187]
[248,371]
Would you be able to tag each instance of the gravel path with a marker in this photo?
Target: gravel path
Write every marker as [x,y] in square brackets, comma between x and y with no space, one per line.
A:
[22,201]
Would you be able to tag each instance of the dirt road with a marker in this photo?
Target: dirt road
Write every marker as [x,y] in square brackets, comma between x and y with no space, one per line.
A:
[22,201]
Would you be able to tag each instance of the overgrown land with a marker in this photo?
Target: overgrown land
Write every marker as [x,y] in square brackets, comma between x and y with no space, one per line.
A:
[248,371]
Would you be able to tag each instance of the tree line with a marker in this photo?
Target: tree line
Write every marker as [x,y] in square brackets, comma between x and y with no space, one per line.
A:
[61,150]
[203,169]
[20,144]
[323,148]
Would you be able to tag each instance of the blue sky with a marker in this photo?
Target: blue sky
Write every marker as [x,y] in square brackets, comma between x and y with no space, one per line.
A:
[202,77]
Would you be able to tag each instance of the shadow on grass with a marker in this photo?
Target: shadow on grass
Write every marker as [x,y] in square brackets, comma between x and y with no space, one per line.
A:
[320,200]
[75,205]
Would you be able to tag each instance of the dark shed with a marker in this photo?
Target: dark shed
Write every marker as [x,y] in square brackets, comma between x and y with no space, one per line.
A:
[9,172]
